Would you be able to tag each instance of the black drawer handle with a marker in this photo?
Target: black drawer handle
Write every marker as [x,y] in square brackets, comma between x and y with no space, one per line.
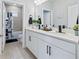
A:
[47,49]
[29,38]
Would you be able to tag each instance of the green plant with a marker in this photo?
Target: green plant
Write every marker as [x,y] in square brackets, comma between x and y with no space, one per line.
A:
[34,21]
[39,21]
[76,27]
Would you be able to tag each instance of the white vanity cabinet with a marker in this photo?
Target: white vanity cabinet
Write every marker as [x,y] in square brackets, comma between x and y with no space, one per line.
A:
[43,50]
[55,51]
[32,43]
[58,53]
[47,47]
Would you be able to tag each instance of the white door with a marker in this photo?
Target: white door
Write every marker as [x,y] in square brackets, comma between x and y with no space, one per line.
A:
[43,50]
[1,30]
[1,18]
[58,53]
[4,19]
[47,17]
[72,15]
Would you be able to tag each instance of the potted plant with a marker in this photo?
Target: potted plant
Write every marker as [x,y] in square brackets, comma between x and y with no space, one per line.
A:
[76,28]
[34,23]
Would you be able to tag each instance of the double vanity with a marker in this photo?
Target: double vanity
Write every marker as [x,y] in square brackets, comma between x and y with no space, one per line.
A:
[52,45]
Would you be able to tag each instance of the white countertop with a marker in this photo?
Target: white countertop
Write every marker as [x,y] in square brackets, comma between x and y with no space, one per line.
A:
[67,36]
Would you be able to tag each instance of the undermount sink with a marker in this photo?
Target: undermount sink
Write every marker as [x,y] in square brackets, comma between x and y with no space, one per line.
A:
[55,31]
[46,29]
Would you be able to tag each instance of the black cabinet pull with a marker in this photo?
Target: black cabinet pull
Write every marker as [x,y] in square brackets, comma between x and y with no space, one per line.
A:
[29,38]
[49,51]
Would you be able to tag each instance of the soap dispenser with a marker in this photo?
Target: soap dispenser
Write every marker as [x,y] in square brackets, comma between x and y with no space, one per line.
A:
[30,19]
[60,28]
[39,21]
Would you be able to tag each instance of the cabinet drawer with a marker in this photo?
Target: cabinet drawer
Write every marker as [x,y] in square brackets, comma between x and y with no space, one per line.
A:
[67,46]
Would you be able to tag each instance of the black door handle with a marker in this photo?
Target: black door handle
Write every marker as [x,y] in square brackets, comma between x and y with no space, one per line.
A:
[29,38]
[49,51]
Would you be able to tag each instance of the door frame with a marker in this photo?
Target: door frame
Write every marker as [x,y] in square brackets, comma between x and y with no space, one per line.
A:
[23,16]
[46,9]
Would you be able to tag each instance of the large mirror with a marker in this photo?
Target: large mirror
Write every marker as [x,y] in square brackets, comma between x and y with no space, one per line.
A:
[57,12]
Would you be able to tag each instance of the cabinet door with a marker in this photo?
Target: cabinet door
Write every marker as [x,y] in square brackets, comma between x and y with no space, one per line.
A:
[28,40]
[58,53]
[0,45]
[34,45]
[43,50]
[78,52]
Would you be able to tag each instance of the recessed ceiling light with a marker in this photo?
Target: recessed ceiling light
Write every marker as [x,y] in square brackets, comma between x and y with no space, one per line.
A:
[38,2]
[35,1]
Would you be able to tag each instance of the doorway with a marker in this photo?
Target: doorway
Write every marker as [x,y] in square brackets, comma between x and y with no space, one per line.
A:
[13,22]
[47,17]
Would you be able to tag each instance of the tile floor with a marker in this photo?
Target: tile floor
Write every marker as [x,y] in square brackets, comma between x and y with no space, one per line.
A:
[15,51]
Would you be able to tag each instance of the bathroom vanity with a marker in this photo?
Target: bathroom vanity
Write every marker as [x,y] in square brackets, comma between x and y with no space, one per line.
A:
[52,45]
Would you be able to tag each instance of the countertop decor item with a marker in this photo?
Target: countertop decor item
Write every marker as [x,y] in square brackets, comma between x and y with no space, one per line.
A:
[77,22]
[76,28]
[60,28]
[39,22]
[30,19]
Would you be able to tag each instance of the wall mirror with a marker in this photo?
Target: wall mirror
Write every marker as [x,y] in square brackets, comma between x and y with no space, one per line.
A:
[57,12]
